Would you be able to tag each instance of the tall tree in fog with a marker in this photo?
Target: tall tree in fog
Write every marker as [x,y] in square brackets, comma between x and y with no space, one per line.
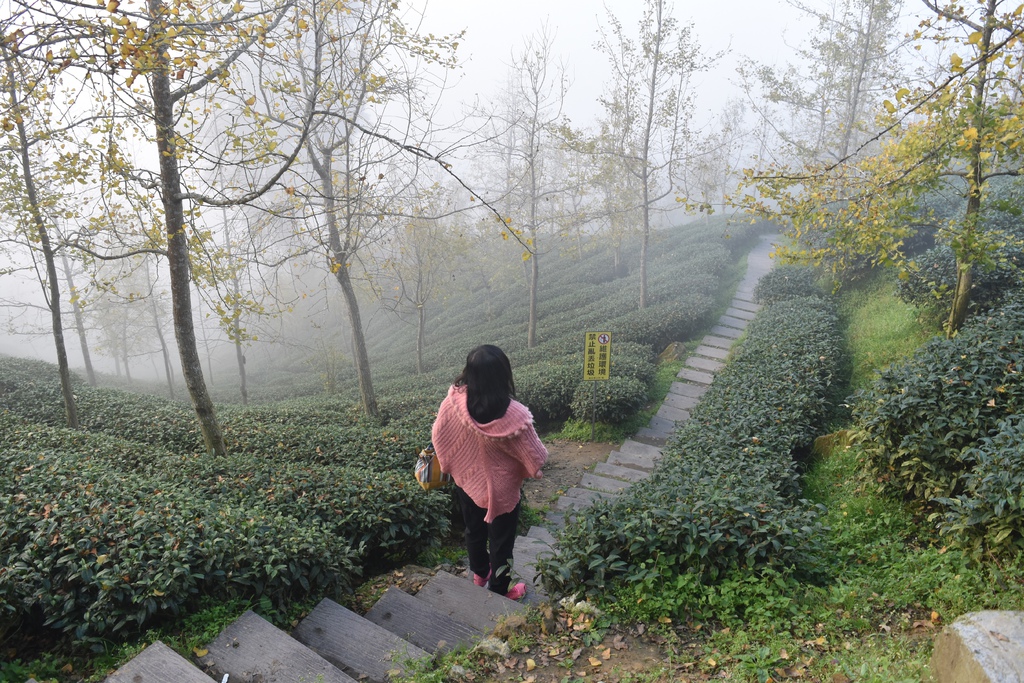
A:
[821,107]
[35,171]
[79,317]
[358,63]
[422,262]
[539,88]
[648,107]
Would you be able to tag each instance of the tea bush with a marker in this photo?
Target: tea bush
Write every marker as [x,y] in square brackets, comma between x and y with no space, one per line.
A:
[935,278]
[725,494]
[920,415]
[101,535]
[989,514]
[786,282]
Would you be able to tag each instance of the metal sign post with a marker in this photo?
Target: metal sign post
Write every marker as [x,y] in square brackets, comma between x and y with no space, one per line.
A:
[597,361]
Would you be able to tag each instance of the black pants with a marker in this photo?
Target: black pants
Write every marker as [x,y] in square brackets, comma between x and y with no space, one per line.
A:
[499,536]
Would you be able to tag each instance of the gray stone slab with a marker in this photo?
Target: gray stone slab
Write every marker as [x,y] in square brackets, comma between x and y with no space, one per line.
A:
[542,534]
[654,435]
[717,342]
[981,647]
[587,494]
[735,312]
[672,414]
[691,375]
[662,424]
[635,447]
[567,503]
[463,601]
[746,305]
[253,649]
[599,483]
[680,402]
[355,645]
[729,332]
[158,664]
[711,352]
[730,321]
[644,462]
[419,623]
[618,472]
[704,364]
[687,389]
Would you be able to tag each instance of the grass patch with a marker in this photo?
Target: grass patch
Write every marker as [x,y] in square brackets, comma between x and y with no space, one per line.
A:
[879,328]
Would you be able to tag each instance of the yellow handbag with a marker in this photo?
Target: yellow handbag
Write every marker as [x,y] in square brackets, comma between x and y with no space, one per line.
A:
[428,470]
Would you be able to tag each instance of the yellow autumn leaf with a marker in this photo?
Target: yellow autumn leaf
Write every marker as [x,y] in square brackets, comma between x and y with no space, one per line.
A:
[526,256]
[251,101]
[971,134]
[594,661]
[112,5]
[974,38]
[956,61]
[200,651]
[237,7]
[530,665]
[889,107]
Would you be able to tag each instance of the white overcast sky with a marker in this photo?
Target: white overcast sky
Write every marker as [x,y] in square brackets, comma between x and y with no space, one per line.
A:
[495,30]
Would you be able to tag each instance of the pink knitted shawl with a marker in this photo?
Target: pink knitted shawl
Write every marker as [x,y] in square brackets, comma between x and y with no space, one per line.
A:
[488,461]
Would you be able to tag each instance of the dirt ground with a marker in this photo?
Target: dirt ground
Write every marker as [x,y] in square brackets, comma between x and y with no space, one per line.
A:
[567,461]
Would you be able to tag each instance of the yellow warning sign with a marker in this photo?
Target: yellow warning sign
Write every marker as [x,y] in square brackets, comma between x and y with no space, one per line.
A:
[597,355]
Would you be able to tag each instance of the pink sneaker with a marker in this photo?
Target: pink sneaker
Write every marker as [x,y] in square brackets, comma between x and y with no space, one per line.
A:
[481,580]
[516,592]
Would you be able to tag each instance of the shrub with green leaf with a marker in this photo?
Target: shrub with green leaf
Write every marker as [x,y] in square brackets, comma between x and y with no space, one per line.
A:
[786,282]
[725,495]
[919,416]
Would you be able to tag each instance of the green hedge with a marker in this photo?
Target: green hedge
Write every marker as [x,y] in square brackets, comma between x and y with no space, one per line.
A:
[919,416]
[786,282]
[725,494]
[101,535]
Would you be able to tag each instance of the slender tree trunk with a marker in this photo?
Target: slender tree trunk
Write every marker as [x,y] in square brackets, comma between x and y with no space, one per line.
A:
[359,354]
[531,335]
[168,370]
[177,244]
[645,158]
[52,285]
[240,359]
[975,182]
[76,307]
[421,324]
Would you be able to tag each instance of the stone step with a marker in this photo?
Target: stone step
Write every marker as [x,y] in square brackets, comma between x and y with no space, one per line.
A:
[618,472]
[680,402]
[158,664]
[698,376]
[746,305]
[527,550]
[981,647]
[567,503]
[711,352]
[718,342]
[462,601]
[587,494]
[730,321]
[643,462]
[656,434]
[599,483]
[704,364]
[636,448]
[253,649]
[693,391]
[672,414]
[542,534]
[355,645]
[736,312]
[728,332]
[420,623]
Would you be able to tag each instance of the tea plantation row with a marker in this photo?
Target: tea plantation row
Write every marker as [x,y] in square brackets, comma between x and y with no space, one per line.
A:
[726,493]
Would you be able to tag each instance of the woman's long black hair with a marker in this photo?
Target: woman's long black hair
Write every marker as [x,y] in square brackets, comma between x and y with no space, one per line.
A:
[488,381]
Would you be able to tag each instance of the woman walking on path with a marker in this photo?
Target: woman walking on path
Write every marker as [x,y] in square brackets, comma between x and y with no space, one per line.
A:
[485,439]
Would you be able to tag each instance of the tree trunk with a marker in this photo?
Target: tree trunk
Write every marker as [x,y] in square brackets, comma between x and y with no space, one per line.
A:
[177,244]
[168,370]
[240,359]
[975,182]
[359,355]
[52,285]
[421,324]
[531,333]
[83,340]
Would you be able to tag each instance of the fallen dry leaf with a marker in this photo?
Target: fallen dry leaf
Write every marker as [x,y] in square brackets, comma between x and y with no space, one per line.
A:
[783,654]
[594,661]
[530,665]
[923,624]
[607,654]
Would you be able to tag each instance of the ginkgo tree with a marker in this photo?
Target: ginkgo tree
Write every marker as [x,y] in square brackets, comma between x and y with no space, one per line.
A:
[963,128]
